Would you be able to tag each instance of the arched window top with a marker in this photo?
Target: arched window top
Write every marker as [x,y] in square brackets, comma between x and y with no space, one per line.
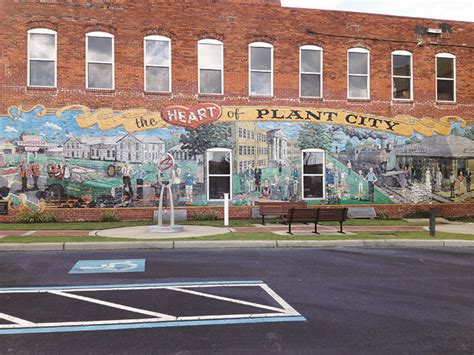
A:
[261,44]
[310,47]
[100,34]
[358,50]
[401,52]
[210,41]
[157,38]
[313,150]
[45,31]
[219,149]
[445,55]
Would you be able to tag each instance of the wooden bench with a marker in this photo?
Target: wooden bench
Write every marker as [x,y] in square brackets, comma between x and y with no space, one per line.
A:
[316,215]
[331,215]
[277,208]
[302,215]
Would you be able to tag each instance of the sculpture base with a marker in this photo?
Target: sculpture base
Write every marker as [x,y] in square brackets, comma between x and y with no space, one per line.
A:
[166,229]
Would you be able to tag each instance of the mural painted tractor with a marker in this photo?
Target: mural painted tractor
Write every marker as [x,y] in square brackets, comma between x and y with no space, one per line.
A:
[82,186]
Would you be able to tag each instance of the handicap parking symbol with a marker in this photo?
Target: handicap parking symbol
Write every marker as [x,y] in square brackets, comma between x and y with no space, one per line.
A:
[108,266]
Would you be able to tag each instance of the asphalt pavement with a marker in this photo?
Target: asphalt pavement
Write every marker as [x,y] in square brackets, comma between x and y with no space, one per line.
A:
[350,300]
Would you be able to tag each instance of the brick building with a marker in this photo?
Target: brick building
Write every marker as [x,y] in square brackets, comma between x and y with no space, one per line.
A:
[329,82]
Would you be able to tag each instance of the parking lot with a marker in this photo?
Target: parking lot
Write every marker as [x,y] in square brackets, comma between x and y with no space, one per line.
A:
[254,301]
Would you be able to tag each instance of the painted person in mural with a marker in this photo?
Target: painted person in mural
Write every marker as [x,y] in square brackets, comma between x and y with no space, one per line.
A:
[371,179]
[24,172]
[140,176]
[35,173]
[127,171]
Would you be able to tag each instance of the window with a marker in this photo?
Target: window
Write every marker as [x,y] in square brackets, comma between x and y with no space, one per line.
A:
[219,173]
[211,66]
[358,73]
[445,77]
[402,75]
[41,57]
[311,64]
[157,64]
[100,60]
[260,69]
[313,176]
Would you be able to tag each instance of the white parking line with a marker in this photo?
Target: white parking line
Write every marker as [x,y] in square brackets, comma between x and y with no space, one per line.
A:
[226,299]
[113,305]
[18,321]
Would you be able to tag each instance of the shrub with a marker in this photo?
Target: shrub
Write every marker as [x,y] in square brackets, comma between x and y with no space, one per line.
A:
[109,217]
[383,216]
[418,213]
[204,216]
[34,215]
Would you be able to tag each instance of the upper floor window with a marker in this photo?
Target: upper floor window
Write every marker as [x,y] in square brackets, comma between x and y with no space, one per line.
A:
[157,64]
[402,75]
[445,77]
[100,60]
[42,57]
[358,73]
[261,69]
[311,69]
[211,66]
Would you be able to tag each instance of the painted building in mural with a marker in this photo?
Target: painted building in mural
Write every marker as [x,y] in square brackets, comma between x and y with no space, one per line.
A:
[324,112]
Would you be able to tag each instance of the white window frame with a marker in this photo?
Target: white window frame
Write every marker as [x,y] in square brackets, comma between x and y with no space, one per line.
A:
[403,53]
[313,150]
[364,51]
[320,73]
[145,65]
[106,35]
[43,31]
[453,57]
[225,150]
[214,42]
[260,45]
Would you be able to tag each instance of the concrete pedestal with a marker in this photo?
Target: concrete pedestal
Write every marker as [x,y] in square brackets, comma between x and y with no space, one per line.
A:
[166,229]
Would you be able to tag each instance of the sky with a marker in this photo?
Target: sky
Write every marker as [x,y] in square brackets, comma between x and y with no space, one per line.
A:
[460,10]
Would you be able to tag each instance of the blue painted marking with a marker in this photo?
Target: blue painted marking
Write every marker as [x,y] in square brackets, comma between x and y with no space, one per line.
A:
[83,328]
[108,266]
[53,288]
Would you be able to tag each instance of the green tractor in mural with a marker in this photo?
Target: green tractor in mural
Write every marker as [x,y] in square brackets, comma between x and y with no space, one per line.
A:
[80,187]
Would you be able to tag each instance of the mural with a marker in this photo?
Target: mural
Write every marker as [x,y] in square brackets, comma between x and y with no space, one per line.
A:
[76,157]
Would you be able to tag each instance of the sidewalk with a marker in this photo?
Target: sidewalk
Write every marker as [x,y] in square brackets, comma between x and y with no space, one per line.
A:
[351,239]
[258,228]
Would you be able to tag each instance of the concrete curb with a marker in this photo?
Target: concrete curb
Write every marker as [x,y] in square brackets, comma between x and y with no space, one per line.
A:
[218,244]
[117,245]
[225,244]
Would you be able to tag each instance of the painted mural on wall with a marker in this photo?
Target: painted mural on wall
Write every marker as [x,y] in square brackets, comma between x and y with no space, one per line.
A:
[76,157]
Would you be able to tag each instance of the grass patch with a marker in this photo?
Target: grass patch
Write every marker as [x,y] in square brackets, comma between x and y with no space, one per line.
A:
[242,236]
[218,223]
[71,225]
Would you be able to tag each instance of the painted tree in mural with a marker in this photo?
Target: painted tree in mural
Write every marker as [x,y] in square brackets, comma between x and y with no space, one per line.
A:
[314,136]
[469,132]
[197,141]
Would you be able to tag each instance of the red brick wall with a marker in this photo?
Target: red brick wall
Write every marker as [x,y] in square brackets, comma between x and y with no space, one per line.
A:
[237,23]
[243,212]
